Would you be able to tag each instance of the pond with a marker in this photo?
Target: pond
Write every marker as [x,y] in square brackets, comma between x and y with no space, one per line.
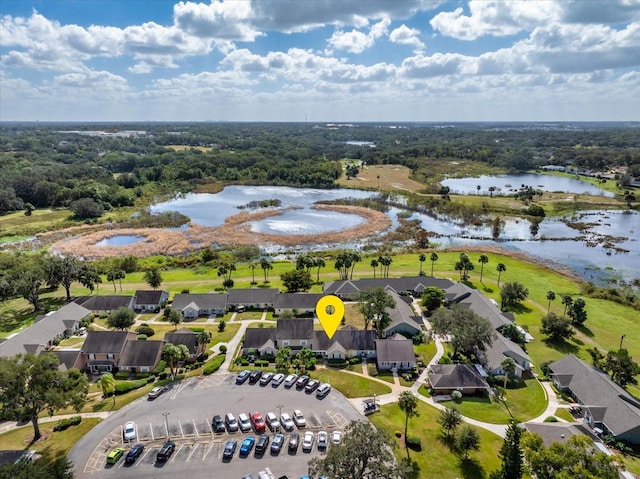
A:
[120,240]
[509,184]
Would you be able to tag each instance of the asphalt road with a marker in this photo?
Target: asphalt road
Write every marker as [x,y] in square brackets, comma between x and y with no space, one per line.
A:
[185,413]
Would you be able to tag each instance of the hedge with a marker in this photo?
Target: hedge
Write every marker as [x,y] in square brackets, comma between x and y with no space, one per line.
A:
[126,386]
[213,365]
[162,365]
[67,423]
[121,375]
[337,363]
[413,443]
[262,363]
[196,329]
[146,330]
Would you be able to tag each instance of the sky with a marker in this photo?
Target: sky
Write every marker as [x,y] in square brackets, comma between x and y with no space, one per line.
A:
[320,60]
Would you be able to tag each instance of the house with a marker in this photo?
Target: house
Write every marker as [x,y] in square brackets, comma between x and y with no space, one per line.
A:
[252,298]
[184,336]
[551,432]
[483,306]
[466,378]
[106,303]
[45,331]
[195,305]
[294,333]
[140,356]
[345,344]
[150,300]
[102,350]
[607,408]
[403,318]
[296,303]
[405,285]
[68,358]
[261,340]
[502,348]
[395,353]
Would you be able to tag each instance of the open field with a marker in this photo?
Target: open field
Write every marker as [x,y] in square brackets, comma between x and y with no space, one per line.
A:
[349,384]
[204,149]
[19,224]
[392,178]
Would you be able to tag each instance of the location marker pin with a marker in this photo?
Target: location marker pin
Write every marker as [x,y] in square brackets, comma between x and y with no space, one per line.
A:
[330,311]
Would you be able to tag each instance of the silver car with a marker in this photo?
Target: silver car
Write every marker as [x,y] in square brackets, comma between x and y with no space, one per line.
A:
[287,422]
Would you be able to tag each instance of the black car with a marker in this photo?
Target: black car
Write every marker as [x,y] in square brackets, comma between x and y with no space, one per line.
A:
[229,449]
[277,443]
[294,442]
[242,376]
[133,454]
[254,376]
[302,382]
[217,424]
[311,386]
[262,444]
[165,452]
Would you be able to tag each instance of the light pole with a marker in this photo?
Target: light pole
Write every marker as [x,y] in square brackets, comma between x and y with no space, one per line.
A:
[279,406]
[166,422]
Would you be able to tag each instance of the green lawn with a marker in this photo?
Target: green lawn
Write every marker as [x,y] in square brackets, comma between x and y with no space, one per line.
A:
[437,458]
[562,413]
[524,403]
[350,385]
[425,351]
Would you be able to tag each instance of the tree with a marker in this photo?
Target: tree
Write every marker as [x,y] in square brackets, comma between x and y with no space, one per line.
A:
[385,261]
[512,293]
[374,264]
[470,333]
[464,266]
[319,263]
[577,313]
[373,305]
[567,301]
[33,385]
[203,338]
[296,280]
[501,268]
[266,265]
[122,318]
[89,277]
[107,384]
[484,259]
[551,296]
[365,452]
[511,332]
[63,270]
[27,280]
[509,367]
[307,359]
[558,328]
[621,367]
[174,354]
[28,209]
[283,358]
[174,317]
[510,454]
[346,262]
[86,208]
[408,403]
[222,325]
[422,258]
[432,298]
[253,267]
[153,278]
[597,358]
[304,262]
[114,275]
[433,258]
[467,440]
[421,237]
[449,419]
[47,467]
[225,269]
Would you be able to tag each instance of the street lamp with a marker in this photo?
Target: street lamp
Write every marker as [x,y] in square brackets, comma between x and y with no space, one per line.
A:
[166,422]
[279,406]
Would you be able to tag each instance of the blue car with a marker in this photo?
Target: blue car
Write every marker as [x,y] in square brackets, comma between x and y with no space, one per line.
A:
[247,446]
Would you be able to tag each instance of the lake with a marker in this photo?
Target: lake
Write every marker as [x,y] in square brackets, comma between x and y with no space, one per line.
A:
[120,240]
[509,184]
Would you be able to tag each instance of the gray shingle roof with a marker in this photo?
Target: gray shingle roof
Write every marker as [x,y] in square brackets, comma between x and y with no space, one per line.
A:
[400,285]
[300,328]
[255,338]
[482,306]
[297,300]
[150,296]
[402,313]
[389,350]
[253,296]
[109,302]
[141,353]
[349,339]
[454,376]
[201,301]
[557,431]
[102,342]
[502,347]
[183,336]
[67,358]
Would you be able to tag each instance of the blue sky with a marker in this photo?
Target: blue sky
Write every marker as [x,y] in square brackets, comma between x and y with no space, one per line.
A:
[320,60]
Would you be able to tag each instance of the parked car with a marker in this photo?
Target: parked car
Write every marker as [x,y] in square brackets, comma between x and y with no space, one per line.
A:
[323,440]
[323,390]
[266,378]
[290,380]
[157,391]
[129,431]
[298,418]
[311,386]
[115,455]
[231,422]
[165,452]
[336,437]
[277,443]
[242,376]
[262,444]
[257,421]
[294,441]
[307,441]
[134,454]
[217,424]
[229,449]
[272,422]
[247,445]
[287,422]
[302,382]
[254,376]
[244,422]
[277,380]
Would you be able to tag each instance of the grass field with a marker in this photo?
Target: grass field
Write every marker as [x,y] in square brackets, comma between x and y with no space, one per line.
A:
[391,178]
[349,384]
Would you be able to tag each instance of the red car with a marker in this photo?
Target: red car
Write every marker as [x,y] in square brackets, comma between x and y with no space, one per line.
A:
[257,421]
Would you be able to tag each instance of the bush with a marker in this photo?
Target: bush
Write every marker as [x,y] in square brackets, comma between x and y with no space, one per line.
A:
[67,423]
[414,443]
[456,395]
[213,365]
[121,375]
[146,330]
[196,329]
[221,326]
[161,366]
[163,375]
[262,363]
[142,375]
[223,349]
[126,386]
[337,363]
[355,360]
[398,434]
[551,419]
[141,337]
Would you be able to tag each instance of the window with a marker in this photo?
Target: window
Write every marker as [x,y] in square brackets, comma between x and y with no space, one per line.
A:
[285,343]
[92,356]
[303,342]
[110,355]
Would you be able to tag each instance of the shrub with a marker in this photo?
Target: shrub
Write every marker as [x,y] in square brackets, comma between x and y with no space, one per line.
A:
[126,386]
[121,375]
[337,363]
[262,363]
[398,433]
[213,365]
[355,360]
[221,326]
[146,330]
[142,375]
[223,349]
[67,423]
[141,337]
[161,366]
[163,375]
[414,443]
[551,419]
[196,329]
[456,395]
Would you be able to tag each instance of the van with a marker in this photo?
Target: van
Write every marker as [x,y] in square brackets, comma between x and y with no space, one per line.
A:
[231,422]
[323,390]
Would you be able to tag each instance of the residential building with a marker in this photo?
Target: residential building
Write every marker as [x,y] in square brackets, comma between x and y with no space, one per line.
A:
[196,305]
[150,300]
[183,336]
[140,356]
[402,316]
[469,379]
[252,298]
[106,303]
[296,303]
[395,353]
[102,350]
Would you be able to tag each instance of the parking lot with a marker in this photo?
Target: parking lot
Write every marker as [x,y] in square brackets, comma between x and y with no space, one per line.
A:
[184,414]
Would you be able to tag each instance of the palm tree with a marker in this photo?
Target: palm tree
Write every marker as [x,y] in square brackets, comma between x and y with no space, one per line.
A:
[422,258]
[319,263]
[551,296]
[266,265]
[509,367]
[501,268]
[567,301]
[112,276]
[253,267]
[434,258]
[108,385]
[409,404]
[374,265]
[203,338]
[385,261]
[449,419]
[484,259]
[478,188]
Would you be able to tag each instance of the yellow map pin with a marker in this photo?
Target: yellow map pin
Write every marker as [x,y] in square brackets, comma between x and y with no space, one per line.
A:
[330,311]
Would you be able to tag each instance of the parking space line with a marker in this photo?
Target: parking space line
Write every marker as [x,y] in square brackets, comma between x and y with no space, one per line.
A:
[206,420]
[152,436]
[175,454]
[139,461]
[206,451]
[195,428]
[192,451]
[181,431]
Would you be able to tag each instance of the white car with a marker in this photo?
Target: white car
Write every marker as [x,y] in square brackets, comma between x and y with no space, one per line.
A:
[129,431]
[299,419]
[243,422]
[307,442]
[287,422]
[323,440]
[277,380]
[290,380]
[272,422]
[336,437]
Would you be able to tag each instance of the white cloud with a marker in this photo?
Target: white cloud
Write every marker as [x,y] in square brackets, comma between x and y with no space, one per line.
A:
[407,36]
[356,41]
[230,20]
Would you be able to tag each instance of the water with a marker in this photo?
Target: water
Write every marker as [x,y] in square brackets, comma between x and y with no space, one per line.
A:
[370,144]
[120,240]
[509,184]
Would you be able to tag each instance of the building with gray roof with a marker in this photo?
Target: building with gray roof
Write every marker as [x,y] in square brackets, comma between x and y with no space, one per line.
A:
[195,305]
